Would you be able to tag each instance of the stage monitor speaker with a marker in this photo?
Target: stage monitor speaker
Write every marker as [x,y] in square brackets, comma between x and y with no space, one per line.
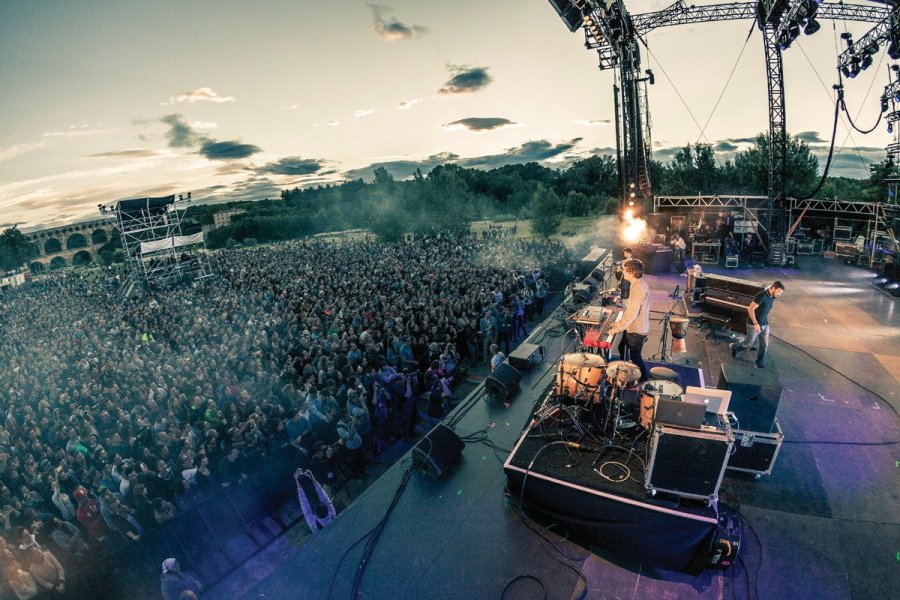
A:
[688,462]
[755,394]
[437,451]
[582,293]
[503,383]
[525,357]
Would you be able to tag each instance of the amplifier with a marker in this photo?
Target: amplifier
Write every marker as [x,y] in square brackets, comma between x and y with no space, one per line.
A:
[688,462]
[755,394]
[756,452]
[525,357]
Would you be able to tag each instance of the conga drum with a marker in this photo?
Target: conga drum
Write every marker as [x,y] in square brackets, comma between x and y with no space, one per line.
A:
[679,327]
[579,376]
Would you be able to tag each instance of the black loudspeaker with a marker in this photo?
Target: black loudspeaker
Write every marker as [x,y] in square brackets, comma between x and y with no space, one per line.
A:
[755,394]
[525,357]
[582,293]
[437,451]
[503,383]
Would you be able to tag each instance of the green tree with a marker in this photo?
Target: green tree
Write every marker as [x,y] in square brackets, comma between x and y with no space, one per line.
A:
[876,188]
[752,166]
[546,212]
[15,249]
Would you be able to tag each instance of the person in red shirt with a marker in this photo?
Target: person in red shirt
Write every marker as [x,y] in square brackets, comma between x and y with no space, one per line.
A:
[88,513]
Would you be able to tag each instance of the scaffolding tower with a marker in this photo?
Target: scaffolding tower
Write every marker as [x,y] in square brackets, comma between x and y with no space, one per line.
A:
[157,253]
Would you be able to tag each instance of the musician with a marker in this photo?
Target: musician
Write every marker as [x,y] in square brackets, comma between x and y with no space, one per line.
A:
[758,322]
[635,321]
[623,284]
[679,246]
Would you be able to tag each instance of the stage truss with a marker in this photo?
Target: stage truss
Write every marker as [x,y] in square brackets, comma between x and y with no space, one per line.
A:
[157,253]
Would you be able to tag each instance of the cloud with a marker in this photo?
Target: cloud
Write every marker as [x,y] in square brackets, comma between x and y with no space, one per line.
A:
[203,125]
[291,106]
[293,165]
[18,149]
[595,123]
[328,124]
[180,134]
[531,151]
[133,153]
[480,124]
[77,131]
[465,80]
[408,104]
[402,168]
[227,150]
[810,137]
[725,146]
[363,112]
[203,94]
[392,30]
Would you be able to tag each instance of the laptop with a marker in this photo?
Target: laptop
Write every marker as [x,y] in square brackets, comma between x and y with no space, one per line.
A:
[682,414]
[716,401]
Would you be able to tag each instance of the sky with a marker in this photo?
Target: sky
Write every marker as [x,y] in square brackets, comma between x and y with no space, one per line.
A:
[106,100]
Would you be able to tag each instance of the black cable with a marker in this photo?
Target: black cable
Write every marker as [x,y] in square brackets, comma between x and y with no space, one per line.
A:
[533,526]
[519,578]
[376,533]
[838,103]
[853,125]
[827,366]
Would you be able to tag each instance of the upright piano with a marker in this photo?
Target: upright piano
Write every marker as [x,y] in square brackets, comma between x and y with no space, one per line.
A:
[723,296]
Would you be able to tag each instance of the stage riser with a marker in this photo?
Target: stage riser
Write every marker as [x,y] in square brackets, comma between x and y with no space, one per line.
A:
[630,530]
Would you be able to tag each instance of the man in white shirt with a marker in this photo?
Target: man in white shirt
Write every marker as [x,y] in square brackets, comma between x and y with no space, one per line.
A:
[498,357]
[635,321]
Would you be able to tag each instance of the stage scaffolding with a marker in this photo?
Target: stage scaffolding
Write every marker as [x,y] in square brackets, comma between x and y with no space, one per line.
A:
[157,253]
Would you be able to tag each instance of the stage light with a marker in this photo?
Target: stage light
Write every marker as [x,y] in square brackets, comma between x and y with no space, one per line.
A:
[884,105]
[631,203]
[866,62]
[893,49]
[629,214]
[890,128]
[811,27]
[845,70]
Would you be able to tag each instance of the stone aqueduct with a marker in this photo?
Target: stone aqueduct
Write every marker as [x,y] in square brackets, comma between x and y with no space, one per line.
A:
[69,245]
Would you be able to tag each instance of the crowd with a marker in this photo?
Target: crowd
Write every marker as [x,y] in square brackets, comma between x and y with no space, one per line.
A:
[115,416]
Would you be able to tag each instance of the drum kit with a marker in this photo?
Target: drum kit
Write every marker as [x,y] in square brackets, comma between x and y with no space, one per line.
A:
[609,394]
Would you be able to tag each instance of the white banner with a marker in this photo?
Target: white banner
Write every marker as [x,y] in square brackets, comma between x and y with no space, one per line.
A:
[171,242]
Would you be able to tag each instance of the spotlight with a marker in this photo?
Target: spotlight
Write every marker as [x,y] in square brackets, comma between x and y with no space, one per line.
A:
[845,70]
[631,203]
[890,128]
[884,105]
[866,62]
[811,27]
[893,49]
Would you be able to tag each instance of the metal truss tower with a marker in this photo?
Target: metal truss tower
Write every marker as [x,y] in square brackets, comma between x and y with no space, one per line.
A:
[156,251]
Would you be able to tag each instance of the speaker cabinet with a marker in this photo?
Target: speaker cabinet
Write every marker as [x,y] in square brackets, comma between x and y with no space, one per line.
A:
[525,357]
[503,383]
[582,293]
[755,395]
[437,451]
[688,462]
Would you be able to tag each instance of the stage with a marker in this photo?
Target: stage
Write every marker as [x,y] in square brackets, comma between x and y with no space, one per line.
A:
[824,524]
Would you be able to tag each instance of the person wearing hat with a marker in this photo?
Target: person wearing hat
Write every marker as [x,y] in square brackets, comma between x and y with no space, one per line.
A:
[173,582]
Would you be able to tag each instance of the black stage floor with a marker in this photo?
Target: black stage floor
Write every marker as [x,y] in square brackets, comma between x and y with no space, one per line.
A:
[825,524]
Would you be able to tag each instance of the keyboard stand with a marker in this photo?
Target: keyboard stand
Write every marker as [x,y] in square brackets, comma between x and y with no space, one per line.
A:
[715,324]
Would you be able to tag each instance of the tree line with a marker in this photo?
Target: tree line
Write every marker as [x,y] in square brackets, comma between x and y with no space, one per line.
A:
[450,196]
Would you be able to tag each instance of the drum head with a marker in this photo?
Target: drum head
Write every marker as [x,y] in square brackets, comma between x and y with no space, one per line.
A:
[624,372]
[662,389]
[582,360]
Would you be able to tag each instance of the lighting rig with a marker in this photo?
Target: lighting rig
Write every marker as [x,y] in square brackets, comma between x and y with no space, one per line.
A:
[857,57]
[800,16]
[615,35]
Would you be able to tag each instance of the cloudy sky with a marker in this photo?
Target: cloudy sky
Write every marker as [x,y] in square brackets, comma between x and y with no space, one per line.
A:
[104,100]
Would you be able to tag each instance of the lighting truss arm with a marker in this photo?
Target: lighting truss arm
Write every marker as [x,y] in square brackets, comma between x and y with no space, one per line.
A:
[679,14]
[877,35]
